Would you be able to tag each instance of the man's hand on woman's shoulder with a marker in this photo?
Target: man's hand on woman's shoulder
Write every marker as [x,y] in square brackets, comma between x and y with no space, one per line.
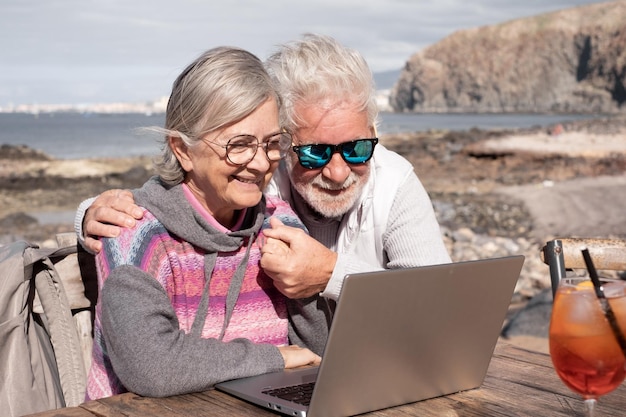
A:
[110,211]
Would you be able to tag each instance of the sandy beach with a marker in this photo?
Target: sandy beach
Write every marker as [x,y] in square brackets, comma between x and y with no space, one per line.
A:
[576,206]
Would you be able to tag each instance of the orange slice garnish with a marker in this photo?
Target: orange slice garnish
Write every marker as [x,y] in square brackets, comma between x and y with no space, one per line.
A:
[584,284]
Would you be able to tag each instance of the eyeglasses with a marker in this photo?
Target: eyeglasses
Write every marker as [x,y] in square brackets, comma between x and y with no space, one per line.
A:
[243,148]
[354,152]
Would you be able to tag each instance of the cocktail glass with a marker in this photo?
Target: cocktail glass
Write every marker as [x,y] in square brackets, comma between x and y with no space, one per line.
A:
[583,346]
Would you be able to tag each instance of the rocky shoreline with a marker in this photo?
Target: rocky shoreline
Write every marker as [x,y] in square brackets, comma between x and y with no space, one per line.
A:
[473,177]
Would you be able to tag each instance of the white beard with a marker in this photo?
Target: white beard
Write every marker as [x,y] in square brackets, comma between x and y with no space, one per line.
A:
[329,206]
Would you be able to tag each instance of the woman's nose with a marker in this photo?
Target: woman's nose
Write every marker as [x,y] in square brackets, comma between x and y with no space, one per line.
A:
[260,161]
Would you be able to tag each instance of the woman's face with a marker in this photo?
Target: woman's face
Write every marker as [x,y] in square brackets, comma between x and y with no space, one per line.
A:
[218,184]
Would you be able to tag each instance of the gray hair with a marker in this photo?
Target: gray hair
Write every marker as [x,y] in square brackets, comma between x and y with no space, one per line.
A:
[221,87]
[316,69]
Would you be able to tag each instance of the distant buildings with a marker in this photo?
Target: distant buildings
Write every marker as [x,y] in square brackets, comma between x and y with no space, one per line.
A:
[382,99]
[150,107]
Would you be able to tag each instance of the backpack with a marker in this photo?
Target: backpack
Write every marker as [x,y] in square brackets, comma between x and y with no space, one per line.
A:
[41,363]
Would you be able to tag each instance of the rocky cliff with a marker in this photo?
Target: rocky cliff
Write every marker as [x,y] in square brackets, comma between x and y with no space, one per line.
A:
[569,61]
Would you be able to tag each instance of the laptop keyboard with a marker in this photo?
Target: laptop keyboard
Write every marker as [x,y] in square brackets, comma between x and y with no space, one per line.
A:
[300,394]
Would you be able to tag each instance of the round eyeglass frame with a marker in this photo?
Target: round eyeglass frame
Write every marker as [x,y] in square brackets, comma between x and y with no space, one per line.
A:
[284,145]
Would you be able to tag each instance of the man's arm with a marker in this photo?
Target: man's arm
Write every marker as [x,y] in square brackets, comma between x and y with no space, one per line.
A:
[103,216]
[413,236]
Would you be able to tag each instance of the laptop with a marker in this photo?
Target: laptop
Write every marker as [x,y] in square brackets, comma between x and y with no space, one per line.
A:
[398,336]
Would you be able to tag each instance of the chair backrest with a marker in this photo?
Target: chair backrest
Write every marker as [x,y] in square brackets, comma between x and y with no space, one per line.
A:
[564,254]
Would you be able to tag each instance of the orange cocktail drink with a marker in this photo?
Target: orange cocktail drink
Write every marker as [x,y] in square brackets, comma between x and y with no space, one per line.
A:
[584,349]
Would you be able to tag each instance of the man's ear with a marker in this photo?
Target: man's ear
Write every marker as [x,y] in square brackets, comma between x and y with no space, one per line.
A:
[181,152]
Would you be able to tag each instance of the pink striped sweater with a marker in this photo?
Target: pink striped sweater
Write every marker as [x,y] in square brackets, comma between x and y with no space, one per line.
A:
[152,279]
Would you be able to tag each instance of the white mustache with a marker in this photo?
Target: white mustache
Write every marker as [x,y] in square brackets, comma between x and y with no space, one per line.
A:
[321,182]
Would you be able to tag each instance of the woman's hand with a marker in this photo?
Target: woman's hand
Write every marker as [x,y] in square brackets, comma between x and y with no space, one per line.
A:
[295,356]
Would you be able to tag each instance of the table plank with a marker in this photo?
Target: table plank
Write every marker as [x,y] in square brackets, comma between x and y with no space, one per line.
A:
[535,385]
[207,404]
[518,383]
[66,412]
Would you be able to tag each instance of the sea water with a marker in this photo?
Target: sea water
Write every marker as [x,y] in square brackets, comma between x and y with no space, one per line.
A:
[75,135]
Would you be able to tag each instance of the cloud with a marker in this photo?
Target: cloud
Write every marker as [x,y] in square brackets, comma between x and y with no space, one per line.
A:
[119,50]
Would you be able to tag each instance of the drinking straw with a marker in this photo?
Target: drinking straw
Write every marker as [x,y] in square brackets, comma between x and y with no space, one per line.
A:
[606,307]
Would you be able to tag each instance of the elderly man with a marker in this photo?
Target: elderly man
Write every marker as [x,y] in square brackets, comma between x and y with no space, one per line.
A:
[363,205]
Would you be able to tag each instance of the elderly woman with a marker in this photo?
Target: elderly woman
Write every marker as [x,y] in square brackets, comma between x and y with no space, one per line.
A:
[183,302]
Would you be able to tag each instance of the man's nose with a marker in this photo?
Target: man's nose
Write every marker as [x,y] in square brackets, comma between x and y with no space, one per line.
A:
[337,170]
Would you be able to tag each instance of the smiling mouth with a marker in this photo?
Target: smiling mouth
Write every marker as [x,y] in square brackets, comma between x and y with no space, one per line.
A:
[332,191]
[254,181]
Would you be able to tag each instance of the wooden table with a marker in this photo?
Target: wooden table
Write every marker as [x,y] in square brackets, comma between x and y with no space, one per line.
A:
[518,383]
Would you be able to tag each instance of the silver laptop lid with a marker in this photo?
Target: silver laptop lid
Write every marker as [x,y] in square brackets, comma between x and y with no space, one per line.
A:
[405,335]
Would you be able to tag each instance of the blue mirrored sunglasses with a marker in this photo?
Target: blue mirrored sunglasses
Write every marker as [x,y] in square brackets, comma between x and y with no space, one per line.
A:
[354,152]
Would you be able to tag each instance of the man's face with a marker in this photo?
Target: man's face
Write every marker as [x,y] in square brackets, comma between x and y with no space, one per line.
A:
[334,188]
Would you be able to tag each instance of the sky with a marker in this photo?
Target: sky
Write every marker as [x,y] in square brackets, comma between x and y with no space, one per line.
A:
[102,51]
